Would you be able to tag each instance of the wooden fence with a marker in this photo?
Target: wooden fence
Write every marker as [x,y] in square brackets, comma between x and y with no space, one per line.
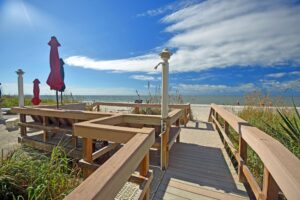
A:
[281,167]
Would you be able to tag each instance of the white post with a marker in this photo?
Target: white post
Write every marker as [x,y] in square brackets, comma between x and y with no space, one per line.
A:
[20,87]
[165,56]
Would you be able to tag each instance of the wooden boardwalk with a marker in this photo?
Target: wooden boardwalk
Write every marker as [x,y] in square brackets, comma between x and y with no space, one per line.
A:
[199,168]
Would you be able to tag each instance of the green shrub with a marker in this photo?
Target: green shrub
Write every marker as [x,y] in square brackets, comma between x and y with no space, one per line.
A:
[30,174]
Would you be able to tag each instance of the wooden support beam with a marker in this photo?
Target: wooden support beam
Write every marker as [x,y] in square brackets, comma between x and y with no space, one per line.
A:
[178,125]
[23,129]
[104,150]
[270,187]
[144,170]
[164,148]
[87,154]
[74,138]
[45,123]
[243,156]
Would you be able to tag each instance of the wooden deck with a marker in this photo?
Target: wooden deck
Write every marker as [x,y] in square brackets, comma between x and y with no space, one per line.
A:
[199,168]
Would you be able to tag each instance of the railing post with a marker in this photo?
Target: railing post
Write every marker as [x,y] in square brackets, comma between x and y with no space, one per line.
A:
[185,117]
[226,130]
[243,158]
[178,125]
[23,129]
[136,110]
[212,113]
[45,123]
[270,188]
[74,138]
[226,127]
[144,169]
[98,107]
[87,154]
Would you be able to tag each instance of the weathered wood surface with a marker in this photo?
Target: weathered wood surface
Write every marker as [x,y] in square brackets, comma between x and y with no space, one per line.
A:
[139,105]
[108,179]
[199,168]
[283,166]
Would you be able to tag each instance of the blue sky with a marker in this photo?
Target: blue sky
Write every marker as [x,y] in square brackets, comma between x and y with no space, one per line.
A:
[111,47]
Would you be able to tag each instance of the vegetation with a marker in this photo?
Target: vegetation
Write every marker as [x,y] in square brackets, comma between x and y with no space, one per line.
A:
[281,123]
[8,101]
[30,174]
[156,99]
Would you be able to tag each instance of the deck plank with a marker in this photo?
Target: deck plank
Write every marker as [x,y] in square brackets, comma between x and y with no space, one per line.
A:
[199,168]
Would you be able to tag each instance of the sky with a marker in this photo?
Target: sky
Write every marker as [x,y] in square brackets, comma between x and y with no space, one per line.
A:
[110,47]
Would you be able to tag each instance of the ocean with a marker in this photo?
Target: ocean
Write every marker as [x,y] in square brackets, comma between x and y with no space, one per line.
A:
[222,100]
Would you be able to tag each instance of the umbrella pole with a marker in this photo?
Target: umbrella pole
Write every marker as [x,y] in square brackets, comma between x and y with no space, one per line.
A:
[56,99]
[61,98]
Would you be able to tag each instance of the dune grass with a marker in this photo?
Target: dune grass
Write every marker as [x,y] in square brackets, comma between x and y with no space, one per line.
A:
[260,112]
[9,101]
[30,174]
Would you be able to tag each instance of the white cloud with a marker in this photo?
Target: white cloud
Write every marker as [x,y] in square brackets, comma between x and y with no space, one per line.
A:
[214,89]
[276,75]
[179,4]
[219,33]
[282,74]
[143,63]
[297,73]
[143,77]
[283,86]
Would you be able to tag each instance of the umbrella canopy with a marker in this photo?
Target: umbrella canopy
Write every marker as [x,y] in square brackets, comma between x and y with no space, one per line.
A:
[62,73]
[36,92]
[54,80]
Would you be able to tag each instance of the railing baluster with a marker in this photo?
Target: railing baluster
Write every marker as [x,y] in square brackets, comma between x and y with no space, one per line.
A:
[87,154]
[243,158]
[178,125]
[23,128]
[144,169]
[45,123]
[164,148]
[270,187]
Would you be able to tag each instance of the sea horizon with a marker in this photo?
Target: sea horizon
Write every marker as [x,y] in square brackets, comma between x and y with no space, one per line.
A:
[193,99]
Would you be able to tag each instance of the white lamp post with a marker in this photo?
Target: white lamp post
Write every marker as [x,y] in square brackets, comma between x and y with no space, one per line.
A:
[165,56]
[20,87]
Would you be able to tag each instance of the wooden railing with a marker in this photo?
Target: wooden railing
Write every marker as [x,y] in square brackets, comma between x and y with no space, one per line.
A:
[116,126]
[281,167]
[137,106]
[109,178]
[54,120]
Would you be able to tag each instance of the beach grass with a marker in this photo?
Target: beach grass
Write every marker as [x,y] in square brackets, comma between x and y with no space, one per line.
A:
[30,174]
[259,112]
[9,101]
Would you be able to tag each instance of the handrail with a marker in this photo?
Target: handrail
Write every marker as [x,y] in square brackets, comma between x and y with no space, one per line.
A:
[185,107]
[280,164]
[109,178]
[70,114]
[139,105]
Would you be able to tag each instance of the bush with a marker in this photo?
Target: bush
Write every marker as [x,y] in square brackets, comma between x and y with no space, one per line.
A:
[30,174]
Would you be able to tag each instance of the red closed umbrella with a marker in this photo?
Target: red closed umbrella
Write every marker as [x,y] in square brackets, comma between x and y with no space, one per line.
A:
[36,92]
[55,80]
